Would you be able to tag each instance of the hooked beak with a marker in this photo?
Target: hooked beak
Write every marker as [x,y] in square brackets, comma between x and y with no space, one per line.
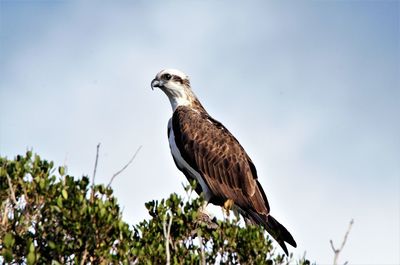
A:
[156,83]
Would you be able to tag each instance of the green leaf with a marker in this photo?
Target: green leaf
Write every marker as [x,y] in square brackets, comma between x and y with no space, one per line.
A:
[59,202]
[61,170]
[2,172]
[9,240]
[64,194]
[102,211]
[52,245]
[7,254]
[42,183]
[31,258]
[31,247]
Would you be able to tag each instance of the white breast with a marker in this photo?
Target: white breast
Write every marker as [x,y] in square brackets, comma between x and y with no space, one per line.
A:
[183,164]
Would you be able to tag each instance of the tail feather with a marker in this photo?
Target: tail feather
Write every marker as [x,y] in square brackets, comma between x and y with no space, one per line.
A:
[279,232]
[273,227]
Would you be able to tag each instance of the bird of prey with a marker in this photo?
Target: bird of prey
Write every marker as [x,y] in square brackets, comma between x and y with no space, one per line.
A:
[205,151]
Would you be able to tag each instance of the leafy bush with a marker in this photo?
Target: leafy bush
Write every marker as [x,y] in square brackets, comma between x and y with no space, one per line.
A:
[49,217]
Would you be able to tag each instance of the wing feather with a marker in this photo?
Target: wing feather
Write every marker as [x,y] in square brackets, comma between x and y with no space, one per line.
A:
[215,153]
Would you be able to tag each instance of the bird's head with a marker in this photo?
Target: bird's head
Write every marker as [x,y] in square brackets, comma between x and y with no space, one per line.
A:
[175,84]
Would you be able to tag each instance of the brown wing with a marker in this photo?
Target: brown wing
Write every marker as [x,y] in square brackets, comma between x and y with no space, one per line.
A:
[214,152]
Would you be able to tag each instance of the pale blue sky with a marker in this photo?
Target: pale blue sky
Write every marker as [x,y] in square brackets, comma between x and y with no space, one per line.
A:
[310,88]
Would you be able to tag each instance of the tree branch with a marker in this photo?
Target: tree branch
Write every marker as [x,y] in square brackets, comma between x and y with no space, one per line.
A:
[337,251]
[333,248]
[95,163]
[94,171]
[4,218]
[202,252]
[12,193]
[84,256]
[347,234]
[167,232]
[124,167]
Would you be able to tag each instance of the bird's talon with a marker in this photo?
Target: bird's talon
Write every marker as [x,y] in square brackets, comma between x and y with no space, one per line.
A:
[228,205]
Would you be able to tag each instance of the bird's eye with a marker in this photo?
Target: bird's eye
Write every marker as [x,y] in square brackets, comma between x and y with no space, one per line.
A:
[167,76]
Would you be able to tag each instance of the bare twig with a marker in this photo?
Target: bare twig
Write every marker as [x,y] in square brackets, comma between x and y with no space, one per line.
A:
[4,219]
[124,167]
[12,193]
[347,234]
[202,252]
[333,248]
[94,171]
[95,163]
[84,256]
[167,232]
[337,251]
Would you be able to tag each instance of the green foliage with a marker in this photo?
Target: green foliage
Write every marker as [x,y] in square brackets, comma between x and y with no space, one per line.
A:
[56,219]
[193,240]
[50,218]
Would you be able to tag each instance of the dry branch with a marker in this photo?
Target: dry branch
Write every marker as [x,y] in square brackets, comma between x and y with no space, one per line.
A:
[337,251]
[167,232]
[95,163]
[124,167]
[94,171]
[12,193]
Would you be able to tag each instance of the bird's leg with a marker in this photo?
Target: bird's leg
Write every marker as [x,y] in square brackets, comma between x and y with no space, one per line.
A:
[227,206]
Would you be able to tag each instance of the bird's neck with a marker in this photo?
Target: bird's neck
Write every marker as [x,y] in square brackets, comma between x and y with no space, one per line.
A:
[193,103]
[178,101]
[187,99]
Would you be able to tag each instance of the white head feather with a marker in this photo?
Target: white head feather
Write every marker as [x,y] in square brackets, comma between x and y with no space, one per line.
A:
[175,85]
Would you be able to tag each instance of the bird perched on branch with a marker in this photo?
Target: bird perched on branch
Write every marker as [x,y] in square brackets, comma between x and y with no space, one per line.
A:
[205,151]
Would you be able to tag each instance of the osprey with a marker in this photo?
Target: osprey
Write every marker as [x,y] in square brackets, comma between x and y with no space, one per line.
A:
[205,151]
